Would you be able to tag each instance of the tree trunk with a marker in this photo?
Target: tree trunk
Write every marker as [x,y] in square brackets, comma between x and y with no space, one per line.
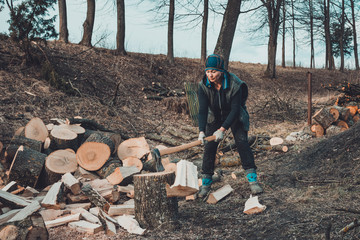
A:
[227,31]
[283,64]
[64,33]
[329,54]
[204,32]
[341,40]
[120,34]
[152,206]
[312,54]
[88,24]
[293,30]
[354,35]
[273,8]
[170,54]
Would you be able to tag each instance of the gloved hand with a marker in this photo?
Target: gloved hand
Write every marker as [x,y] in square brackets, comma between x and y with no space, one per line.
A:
[201,137]
[219,135]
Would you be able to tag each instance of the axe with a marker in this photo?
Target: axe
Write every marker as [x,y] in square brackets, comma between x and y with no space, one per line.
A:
[155,165]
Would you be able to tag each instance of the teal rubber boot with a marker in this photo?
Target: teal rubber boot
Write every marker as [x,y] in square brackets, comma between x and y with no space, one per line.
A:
[251,176]
[205,188]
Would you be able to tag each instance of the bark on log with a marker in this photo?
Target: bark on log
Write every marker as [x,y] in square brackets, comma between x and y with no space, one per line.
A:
[342,124]
[109,167]
[71,183]
[58,163]
[32,227]
[152,206]
[94,152]
[36,129]
[62,138]
[16,142]
[26,166]
[280,148]
[122,175]
[333,130]
[95,197]
[324,117]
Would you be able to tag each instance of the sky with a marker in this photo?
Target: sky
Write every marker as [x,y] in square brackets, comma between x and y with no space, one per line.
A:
[143,35]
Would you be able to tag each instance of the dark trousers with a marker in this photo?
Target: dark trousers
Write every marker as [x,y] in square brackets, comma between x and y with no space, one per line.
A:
[242,144]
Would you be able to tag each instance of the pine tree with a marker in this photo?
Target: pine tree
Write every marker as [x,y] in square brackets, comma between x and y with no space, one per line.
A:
[29,22]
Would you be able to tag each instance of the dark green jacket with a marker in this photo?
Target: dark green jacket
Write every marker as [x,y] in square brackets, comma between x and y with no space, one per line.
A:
[231,85]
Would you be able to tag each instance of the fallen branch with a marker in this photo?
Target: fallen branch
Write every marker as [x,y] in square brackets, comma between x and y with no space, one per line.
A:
[350,226]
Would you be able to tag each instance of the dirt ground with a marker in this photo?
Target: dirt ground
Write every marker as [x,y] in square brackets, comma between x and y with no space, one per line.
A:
[311,191]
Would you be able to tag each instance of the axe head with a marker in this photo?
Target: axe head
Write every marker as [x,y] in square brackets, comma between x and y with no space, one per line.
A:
[156,157]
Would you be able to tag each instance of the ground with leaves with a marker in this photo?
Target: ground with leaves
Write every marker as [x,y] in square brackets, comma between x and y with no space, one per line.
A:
[307,190]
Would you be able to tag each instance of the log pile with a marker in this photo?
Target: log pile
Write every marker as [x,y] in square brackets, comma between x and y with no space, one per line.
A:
[332,120]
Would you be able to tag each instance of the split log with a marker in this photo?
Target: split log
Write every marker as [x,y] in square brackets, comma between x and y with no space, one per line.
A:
[318,130]
[62,138]
[58,163]
[86,215]
[11,186]
[54,196]
[26,212]
[36,129]
[26,167]
[62,220]
[85,206]
[117,210]
[71,183]
[81,173]
[230,162]
[108,223]
[8,215]
[122,175]
[130,224]
[324,117]
[29,192]
[132,161]
[170,167]
[133,147]
[94,152]
[95,197]
[219,194]
[186,181]
[152,206]
[32,227]
[86,227]
[16,142]
[109,167]
[52,214]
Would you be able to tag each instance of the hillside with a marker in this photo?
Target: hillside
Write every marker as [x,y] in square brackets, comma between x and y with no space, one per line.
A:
[304,188]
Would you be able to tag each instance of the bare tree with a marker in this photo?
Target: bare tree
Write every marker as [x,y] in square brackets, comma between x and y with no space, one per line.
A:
[293,33]
[283,64]
[341,37]
[170,53]
[204,32]
[227,31]
[64,33]
[120,34]
[273,8]
[88,24]
[353,24]
[312,51]
[329,57]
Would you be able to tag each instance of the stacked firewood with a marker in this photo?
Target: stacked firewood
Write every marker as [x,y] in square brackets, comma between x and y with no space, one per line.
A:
[65,174]
[335,119]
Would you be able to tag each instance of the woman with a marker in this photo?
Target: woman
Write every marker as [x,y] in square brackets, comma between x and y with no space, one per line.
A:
[222,97]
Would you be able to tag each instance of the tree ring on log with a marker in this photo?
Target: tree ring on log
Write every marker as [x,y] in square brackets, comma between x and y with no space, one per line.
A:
[63,133]
[36,129]
[92,155]
[61,161]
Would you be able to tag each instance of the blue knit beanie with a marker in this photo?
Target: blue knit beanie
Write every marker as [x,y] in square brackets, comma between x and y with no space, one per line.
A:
[214,62]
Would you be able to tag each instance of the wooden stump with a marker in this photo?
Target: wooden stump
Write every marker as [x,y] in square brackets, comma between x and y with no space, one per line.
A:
[58,163]
[152,206]
[26,167]
[63,138]
[36,129]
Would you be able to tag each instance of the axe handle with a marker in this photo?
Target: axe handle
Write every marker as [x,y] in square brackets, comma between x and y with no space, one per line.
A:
[184,146]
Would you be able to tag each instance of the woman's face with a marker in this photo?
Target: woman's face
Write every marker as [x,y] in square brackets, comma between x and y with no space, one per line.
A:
[214,76]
